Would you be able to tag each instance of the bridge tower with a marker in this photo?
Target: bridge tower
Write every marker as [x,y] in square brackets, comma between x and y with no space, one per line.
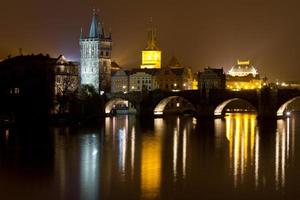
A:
[95,59]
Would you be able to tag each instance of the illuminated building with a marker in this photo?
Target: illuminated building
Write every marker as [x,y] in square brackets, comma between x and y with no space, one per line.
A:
[211,78]
[243,76]
[142,79]
[66,76]
[95,67]
[175,78]
[119,82]
[195,82]
[66,83]
[151,55]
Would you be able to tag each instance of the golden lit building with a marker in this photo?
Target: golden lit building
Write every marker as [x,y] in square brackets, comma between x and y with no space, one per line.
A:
[151,55]
[174,77]
[243,76]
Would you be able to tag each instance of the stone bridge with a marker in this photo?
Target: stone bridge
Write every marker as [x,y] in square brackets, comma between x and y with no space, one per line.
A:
[268,103]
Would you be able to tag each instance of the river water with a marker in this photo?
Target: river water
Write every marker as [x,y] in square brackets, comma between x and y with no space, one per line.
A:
[125,157]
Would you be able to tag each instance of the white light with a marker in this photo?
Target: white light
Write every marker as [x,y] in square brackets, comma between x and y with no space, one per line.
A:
[95,152]
[101,93]
[288,113]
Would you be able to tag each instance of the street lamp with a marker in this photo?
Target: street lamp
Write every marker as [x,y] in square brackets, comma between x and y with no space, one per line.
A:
[124,89]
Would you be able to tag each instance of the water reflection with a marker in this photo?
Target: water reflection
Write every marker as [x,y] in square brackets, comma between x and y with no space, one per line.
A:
[243,138]
[172,158]
[151,162]
[89,170]
[180,144]
[284,148]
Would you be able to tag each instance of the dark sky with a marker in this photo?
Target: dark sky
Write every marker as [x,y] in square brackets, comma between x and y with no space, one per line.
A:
[199,33]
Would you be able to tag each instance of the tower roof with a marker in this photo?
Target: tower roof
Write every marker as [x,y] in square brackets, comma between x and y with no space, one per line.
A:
[152,42]
[96,28]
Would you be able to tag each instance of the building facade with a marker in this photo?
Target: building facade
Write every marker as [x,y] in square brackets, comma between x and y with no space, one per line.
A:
[142,80]
[120,82]
[175,79]
[243,76]
[211,78]
[95,60]
[36,86]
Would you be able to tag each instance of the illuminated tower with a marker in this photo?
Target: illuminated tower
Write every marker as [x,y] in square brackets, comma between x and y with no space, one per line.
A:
[95,60]
[151,55]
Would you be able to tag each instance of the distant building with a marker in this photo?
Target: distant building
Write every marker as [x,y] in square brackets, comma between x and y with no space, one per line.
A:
[243,76]
[115,67]
[95,62]
[175,79]
[66,76]
[31,86]
[142,79]
[211,78]
[119,82]
[292,84]
[151,55]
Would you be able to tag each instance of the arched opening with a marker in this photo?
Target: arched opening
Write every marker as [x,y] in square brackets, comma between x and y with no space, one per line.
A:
[235,105]
[288,107]
[174,105]
[119,106]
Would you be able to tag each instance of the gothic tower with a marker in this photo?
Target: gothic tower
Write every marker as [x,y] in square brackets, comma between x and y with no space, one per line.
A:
[151,55]
[95,60]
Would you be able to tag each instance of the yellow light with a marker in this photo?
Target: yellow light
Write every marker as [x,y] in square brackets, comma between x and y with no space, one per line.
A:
[195,84]
[150,167]
[244,62]
[151,59]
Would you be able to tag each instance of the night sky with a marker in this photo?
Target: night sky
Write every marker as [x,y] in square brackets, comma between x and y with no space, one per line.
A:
[199,33]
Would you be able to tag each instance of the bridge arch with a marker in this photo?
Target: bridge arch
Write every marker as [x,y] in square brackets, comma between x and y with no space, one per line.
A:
[284,107]
[111,103]
[162,105]
[219,110]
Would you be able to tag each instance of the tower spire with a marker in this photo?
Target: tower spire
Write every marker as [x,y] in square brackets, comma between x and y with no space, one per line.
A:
[152,37]
[81,33]
[96,28]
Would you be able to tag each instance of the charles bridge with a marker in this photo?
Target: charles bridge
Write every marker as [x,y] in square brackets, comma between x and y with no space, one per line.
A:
[268,103]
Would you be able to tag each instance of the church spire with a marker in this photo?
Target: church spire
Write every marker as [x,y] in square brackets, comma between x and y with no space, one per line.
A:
[95,30]
[152,43]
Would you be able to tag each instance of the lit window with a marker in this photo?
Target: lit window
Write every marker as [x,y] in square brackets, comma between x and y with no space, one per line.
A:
[17,91]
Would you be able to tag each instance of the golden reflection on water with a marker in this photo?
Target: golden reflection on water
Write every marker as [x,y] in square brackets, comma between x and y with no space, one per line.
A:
[151,163]
[180,145]
[284,150]
[243,139]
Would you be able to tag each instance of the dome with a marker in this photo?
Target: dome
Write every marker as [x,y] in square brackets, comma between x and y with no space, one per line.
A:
[243,68]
